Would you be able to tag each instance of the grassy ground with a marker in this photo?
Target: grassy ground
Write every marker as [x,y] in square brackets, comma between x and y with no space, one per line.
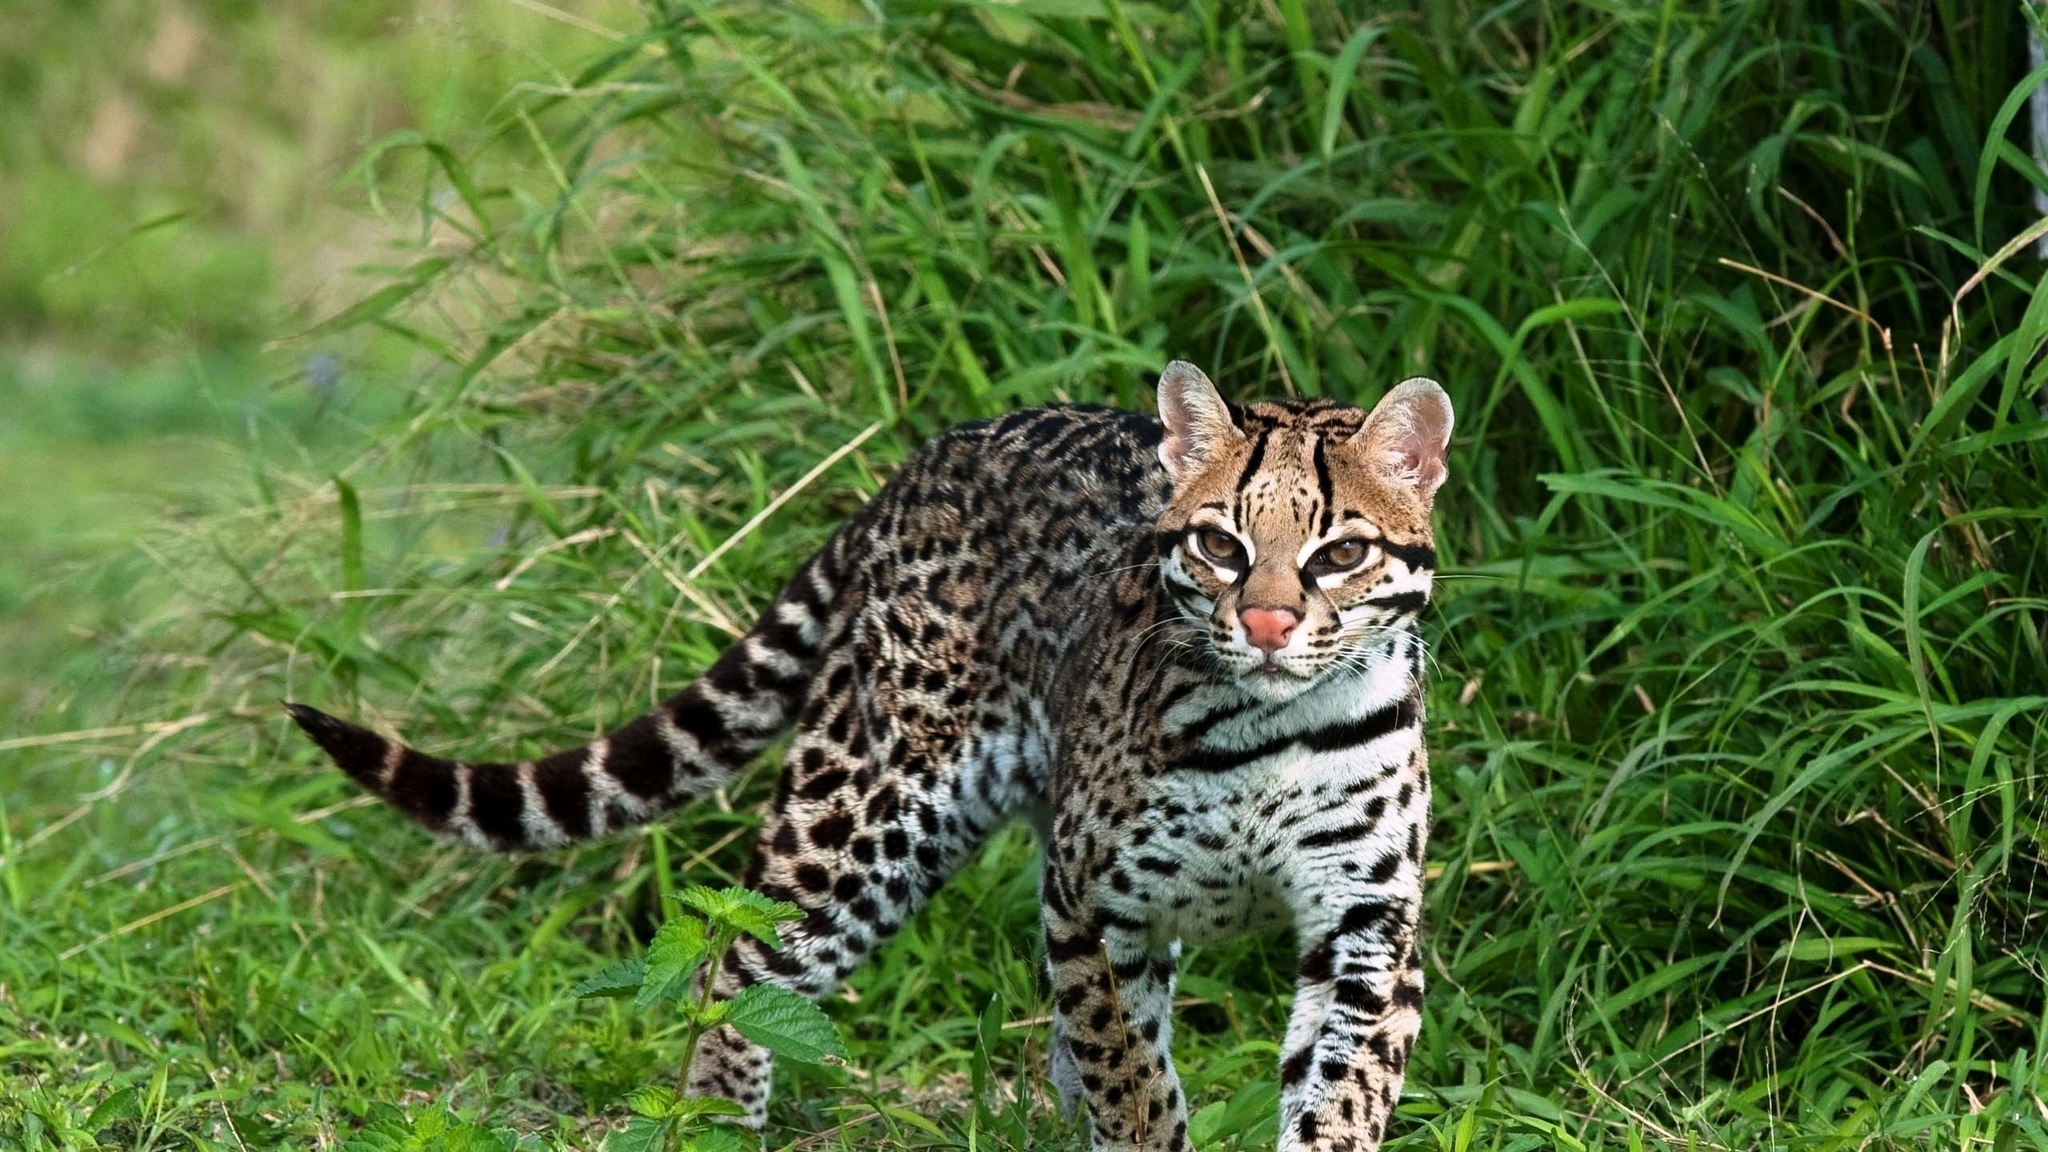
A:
[1739,705]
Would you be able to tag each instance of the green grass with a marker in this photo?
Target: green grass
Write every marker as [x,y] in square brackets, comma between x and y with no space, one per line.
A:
[166,209]
[172,172]
[1739,699]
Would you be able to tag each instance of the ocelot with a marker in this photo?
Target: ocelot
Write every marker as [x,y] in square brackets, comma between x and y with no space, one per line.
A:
[1186,649]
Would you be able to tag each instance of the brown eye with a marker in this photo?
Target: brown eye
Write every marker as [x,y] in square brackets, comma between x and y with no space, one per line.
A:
[1341,555]
[1220,546]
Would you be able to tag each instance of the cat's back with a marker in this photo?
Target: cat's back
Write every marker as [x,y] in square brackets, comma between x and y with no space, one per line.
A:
[1039,486]
[1000,543]
[1081,457]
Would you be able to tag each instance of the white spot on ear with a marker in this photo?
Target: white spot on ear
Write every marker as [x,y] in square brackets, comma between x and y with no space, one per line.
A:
[1197,421]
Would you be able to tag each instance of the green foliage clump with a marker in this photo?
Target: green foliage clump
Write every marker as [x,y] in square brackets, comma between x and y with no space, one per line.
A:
[1740,695]
[436,1130]
[676,971]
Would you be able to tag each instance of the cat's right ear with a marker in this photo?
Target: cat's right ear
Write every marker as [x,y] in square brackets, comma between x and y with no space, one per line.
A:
[1198,423]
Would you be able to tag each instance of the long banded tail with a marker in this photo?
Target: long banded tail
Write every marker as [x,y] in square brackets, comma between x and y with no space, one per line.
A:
[686,747]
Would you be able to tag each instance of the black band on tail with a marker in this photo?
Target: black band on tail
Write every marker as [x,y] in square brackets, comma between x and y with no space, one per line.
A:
[688,745]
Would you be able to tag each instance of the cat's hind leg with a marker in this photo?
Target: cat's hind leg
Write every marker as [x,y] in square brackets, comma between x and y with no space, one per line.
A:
[872,816]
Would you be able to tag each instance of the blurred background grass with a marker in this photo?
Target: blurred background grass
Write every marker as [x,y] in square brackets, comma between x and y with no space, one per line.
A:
[181,185]
[1738,703]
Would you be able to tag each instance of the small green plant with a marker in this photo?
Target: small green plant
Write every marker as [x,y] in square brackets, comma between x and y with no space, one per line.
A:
[434,1130]
[693,942]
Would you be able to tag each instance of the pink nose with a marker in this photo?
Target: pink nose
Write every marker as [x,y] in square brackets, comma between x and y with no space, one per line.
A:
[1268,628]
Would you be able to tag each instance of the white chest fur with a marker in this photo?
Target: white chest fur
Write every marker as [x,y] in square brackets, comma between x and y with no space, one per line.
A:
[1287,805]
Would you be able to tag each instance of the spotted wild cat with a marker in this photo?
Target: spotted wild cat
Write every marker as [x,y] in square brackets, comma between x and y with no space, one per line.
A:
[1185,648]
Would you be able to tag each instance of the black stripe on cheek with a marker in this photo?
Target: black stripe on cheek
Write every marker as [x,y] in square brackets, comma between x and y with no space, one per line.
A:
[1180,580]
[423,787]
[1416,556]
[639,759]
[565,791]
[496,803]
[1405,603]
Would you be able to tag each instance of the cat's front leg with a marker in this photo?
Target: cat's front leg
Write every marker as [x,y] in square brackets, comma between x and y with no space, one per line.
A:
[1357,1009]
[1112,1006]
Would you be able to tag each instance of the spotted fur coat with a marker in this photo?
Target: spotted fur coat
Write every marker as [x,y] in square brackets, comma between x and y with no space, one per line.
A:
[1184,648]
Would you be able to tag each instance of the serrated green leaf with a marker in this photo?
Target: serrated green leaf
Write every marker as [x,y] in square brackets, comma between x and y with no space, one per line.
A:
[785,1024]
[621,979]
[675,952]
[639,1135]
[385,1129]
[697,1106]
[381,1113]
[653,1101]
[474,1138]
[722,1138]
[436,1130]
[742,910]
[680,940]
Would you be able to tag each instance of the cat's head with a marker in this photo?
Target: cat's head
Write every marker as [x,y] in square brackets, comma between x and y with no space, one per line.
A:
[1298,533]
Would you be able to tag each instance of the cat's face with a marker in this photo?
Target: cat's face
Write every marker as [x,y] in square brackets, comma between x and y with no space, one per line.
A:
[1298,534]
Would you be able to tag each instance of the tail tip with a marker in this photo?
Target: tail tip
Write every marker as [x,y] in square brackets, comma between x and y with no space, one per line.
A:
[311,719]
[354,748]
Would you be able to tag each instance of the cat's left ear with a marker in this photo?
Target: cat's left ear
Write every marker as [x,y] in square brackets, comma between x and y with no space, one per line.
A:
[1405,437]
[1198,423]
